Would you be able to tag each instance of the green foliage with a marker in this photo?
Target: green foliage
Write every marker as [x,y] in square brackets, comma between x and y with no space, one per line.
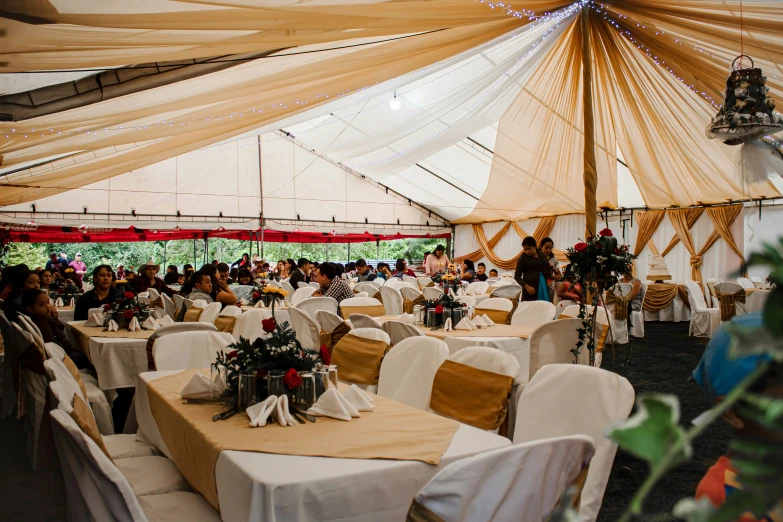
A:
[32,254]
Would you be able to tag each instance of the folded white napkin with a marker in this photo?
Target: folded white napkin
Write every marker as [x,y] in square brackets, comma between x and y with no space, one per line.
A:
[134,325]
[447,325]
[287,303]
[244,302]
[112,326]
[359,399]
[150,323]
[461,291]
[274,407]
[165,320]
[96,319]
[406,318]
[478,322]
[487,320]
[59,302]
[333,404]
[465,324]
[73,302]
[260,304]
[199,386]
[144,297]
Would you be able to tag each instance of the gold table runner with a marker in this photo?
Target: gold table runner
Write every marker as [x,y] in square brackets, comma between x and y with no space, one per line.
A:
[660,295]
[393,431]
[499,330]
[83,333]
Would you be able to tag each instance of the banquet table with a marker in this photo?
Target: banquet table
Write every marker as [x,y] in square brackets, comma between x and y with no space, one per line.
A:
[676,311]
[253,486]
[118,357]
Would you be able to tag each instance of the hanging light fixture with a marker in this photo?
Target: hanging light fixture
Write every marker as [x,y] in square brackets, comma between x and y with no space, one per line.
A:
[395,103]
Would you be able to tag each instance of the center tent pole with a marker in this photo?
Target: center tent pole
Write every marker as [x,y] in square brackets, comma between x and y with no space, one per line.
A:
[590,175]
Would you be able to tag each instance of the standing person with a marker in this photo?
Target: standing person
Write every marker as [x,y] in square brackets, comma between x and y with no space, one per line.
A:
[556,275]
[530,266]
[64,261]
[79,267]
[481,272]
[148,278]
[331,285]
[301,274]
[436,262]
[243,262]
[53,263]
[102,293]
[363,271]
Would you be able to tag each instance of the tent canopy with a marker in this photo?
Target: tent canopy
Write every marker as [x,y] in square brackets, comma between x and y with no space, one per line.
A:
[366,116]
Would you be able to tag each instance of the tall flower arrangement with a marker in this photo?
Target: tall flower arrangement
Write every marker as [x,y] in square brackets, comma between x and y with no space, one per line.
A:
[596,264]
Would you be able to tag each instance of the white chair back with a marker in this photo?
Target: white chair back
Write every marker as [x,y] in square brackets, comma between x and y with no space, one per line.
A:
[411,294]
[312,304]
[695,296]
[392,300]
[755,302]
[423,281]
[328,320]
[487,359]
[562,305]
[306,329]
[178,300]
[302,293]
[364,321]
[230,311]
[274,283]
[568,399]
[551,343]
[210,313]
[495,303]
[248,325]
[730,288]
[154,295]
[169,306]
[432,293]
[501,484]
[395,282]
[180,351]
[399,331]
[302,284]
[533,313]
[409,368]
[361,294]
[411,280]
[366,286]
[373,334]
[477,288]
[315,285]
[288,288]
[510,291]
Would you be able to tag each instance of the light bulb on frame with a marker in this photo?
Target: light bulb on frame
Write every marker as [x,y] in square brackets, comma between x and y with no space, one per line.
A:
[395,103]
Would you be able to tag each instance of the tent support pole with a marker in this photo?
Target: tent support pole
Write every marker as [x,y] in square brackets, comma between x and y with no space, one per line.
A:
[165,244]
[349,252]
[377,252]
[590,174]
[195,263]
[262,239]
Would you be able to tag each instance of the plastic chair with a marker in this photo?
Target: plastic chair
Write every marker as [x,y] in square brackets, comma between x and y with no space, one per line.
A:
[231,311]
[533,313]
[328,320]
[411,280]
[477,288]
[312,304]
[210,313]
[409,368]
[432,293]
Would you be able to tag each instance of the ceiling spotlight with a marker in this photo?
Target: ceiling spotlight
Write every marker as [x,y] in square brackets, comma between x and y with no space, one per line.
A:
[395,103]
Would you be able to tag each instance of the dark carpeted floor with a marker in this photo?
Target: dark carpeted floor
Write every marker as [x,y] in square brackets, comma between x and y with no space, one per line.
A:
[661,362]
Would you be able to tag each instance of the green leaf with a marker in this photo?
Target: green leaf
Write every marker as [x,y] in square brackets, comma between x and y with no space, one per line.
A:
[652,431]
[773,312]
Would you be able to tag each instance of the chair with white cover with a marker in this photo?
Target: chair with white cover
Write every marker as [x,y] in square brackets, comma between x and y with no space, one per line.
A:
[364,321]
[358,356]
[755,302]
[362,305]
[274,284]
[551,343]
[210,313]
[311,305]
[477,288]
[366,286]
[424,281]
[399,331]
[288,288]
[733,289]
[392,300]
[328,320]
[248,325]
[231,311]
[704,320]
[533,313]
[432,293]
[757,281]
[315,285]
[169,306]
[492,280]
[302,284]
[510,291]
[496,308]
[184,350]
[98,489]
[488,359]
[408,369]
[361,294]
[178,301]
[712,299]
[567,399]
[411,280]
[302,293]
[562,305]
[396,282]
[306,329]
[744,282]
[14,344]
[502,484]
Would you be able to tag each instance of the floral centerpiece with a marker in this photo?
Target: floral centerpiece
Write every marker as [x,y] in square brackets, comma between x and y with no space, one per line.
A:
[597,264]
[68,290]
[268,294]
[123,310]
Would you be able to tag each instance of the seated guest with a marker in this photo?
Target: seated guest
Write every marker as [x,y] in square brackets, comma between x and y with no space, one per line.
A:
[363,271]
[281,270]
[171,268]
[102,293]
[350,269]
[569,290]
[233,275]
[436,262]
[258,267]
[481,272]
[290,266]
[36,306]
[172,278]
[467,272]
[718,374]
[383,272]
[244,277]
[180,279]
[202,287]
[331,285]
[243,262]
[221,293]
[46,280]
[402,269]
[340,270]
[23,281]
[70,281]
[148,278]
[224,273]
[301,274]
[493,273]
[634,297]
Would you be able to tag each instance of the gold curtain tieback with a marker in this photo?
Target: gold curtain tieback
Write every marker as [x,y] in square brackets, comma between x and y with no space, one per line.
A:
[695,261]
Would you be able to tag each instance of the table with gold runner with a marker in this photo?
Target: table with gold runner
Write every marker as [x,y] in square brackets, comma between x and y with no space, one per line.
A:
[499,330]
[393,431]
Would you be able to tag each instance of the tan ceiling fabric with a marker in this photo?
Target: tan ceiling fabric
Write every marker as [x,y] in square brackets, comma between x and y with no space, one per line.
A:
[90,34]
[232,91]
[692,215]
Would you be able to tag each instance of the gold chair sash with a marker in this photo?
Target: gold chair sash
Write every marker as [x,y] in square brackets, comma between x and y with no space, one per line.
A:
[600,341]
[74,371]
[407,304]
[471,396]
[225,323]
[157,303]
[359,360]
[82,415]
[728,303]
[421,513]
[497,316]
[330,339]
[192,315]
[372,311]
[620,305]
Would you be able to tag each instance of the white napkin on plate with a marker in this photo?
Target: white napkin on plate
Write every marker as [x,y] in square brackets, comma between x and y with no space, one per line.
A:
[465,324]
[150,323]
[165,320]
[487,320]
[359,399]
[96,319]
[112,326]
[73,302]
[447,325]
[406,318]
[199,386]
[332,404]
[260,304]
[59,302]
[134,325]
[478,322]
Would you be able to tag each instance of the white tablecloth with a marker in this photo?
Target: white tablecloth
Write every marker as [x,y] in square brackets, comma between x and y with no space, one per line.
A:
[677,311]
[255,487]
[65,315]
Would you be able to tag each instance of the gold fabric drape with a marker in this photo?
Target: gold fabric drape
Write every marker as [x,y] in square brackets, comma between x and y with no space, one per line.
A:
[492,243]
[648,222]
[543,229]
[660,295]
[722,218]
[691,216]
[503,264]
[682,220]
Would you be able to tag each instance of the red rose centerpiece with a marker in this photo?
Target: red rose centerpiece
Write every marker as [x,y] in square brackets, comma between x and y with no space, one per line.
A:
[123,309]
[269,325]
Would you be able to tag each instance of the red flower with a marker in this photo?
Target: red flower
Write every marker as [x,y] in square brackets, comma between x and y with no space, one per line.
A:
[107,307]
[129,295]
[128,314]
[260,374]
[439,309]
[580,247]
[324,353]
[268,325]
[292,379]
[232,354]
[606,233]
[617,251]
[256,295]
[60,291]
